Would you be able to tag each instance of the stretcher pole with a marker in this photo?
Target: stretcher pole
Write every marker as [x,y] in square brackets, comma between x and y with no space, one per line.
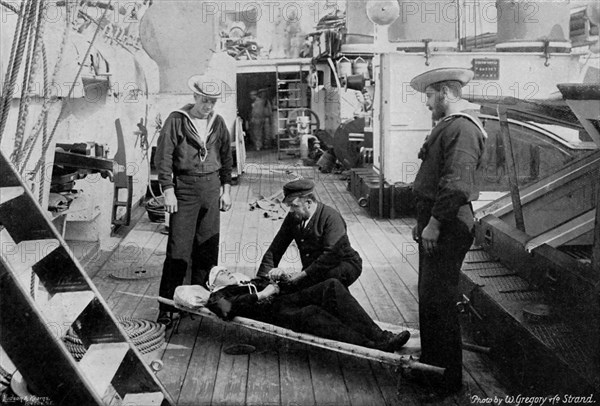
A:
[404,361]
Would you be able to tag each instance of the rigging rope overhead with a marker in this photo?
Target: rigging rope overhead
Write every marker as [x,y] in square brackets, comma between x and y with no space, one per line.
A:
[13,64]
[42,121]
[24,27]
[28,18]
[18,50]
[62,109]
[44,127]
[31,63]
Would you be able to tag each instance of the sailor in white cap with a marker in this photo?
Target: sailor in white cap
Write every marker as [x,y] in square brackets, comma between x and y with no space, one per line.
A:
[445,185]
[193,159]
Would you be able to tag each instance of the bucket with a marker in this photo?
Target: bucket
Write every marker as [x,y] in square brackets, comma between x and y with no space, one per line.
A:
[355,82]
[361,67]
[326,163]
[156,210]
[344,67]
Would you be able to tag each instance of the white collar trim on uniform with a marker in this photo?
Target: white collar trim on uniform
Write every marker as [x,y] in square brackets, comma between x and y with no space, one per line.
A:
[473,120]
[201,141]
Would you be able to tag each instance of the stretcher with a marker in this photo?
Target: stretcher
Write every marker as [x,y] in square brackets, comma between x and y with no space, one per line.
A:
[405,359]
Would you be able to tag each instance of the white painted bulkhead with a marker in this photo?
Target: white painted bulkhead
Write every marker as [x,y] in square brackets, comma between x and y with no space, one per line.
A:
[403,121]
[114,86]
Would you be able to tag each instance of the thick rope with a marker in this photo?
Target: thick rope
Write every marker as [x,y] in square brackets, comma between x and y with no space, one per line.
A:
[146,335]
[30,85]
[24,37]
[11,75]
[42,121]
[9,6]
[12,51]
[32,284]
[36,52]
[44,109]
[30,58]
[42,178]
[34,22]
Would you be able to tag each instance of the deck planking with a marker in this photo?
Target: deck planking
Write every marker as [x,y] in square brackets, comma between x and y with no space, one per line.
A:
[263,371]
[390,254]
[198,388]
[197,371]
[295,376]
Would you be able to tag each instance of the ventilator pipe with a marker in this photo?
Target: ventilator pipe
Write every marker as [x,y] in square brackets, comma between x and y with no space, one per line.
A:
[164,27]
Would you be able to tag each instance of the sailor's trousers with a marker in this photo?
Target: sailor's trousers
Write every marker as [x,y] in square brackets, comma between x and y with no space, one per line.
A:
[441,342]
[193,233]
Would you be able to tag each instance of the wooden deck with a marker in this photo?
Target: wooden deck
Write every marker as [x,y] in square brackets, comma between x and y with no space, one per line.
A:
[197,371]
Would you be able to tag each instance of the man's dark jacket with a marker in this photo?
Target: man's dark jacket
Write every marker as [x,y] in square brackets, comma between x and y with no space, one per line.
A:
[323,243]
[179,149]
[241,300]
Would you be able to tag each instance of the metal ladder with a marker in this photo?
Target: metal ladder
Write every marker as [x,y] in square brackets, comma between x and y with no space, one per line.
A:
[288,100]
[44,292]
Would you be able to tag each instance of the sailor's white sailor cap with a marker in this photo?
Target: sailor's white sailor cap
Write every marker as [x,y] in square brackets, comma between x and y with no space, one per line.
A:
[422,81]
[205,85]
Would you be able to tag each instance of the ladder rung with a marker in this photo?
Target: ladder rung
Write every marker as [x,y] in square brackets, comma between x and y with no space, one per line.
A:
[101,362]
[111,397]
[143,399]
[10,192]
[24,255]
[32,327]
[62,309]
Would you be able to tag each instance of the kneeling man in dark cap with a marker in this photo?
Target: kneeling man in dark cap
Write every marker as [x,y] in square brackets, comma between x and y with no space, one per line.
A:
[321,236]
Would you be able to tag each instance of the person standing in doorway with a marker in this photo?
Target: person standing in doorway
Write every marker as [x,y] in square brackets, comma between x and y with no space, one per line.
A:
[260,119]
[445,186]
[193,158]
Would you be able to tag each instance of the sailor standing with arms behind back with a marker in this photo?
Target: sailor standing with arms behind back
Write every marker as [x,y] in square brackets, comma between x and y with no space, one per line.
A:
[445,186]
[193,158]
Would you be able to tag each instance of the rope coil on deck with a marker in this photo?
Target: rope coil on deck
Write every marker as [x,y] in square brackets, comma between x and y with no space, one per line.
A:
[146,335]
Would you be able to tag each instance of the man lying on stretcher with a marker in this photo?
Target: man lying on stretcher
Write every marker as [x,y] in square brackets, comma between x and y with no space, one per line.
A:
[326,309]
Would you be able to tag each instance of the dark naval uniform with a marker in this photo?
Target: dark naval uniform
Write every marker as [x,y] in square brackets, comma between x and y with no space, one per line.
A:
[196,169]
[444,187]
[324,248]
[326,309]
